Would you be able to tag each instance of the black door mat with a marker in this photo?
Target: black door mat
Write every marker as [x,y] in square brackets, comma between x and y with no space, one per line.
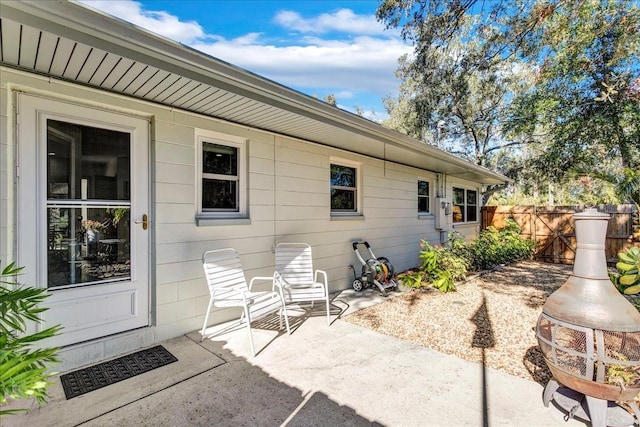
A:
[103,374]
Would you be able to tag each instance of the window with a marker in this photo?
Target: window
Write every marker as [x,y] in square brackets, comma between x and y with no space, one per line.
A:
[344,190]
[472,205]
[465,205]
[219,178]
[222,187]
[423,197]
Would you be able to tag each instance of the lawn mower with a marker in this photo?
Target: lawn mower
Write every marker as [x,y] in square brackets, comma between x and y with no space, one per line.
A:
[376,271]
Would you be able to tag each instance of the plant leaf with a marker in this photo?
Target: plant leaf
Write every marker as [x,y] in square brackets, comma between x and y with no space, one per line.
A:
[632,290]
[624,267]
[629,279]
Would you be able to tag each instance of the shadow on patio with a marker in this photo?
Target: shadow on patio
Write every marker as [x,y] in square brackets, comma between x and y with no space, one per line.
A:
[338,375]
[209,385]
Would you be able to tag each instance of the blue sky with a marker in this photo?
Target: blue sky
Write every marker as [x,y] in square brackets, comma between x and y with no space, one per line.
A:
[317,47]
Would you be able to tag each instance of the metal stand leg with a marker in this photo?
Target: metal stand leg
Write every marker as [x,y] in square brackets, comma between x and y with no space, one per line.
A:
[551,388]
[597,411]
[379,285]
[590,409]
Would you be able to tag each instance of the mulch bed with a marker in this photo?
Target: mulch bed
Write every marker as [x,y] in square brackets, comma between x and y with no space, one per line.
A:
[490,319]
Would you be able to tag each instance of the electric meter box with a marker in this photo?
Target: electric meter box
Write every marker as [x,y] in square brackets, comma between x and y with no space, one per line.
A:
[443,214]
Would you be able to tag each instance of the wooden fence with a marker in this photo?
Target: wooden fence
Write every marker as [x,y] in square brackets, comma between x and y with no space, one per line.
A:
[552,228]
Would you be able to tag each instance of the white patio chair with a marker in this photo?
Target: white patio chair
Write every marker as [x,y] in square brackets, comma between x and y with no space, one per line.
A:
[228,288]
[294,262]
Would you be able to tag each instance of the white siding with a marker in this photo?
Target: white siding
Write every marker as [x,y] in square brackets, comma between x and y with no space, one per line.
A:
[7,249]
[288,202]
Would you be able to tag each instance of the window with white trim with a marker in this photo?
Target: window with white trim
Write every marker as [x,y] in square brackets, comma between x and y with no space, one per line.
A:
[424,205]
[465,205]
[222,188]
[344,188]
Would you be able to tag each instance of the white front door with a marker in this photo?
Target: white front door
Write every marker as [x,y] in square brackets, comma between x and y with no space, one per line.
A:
[83,203]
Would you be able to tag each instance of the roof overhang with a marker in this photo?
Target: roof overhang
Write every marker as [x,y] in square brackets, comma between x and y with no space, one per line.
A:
[73,42]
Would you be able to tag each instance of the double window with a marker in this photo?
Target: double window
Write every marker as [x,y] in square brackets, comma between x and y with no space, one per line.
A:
[424,206]
[222,182]
[465,205]
[344,188]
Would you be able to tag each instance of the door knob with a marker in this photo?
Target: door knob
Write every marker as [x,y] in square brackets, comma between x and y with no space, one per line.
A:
[144,222]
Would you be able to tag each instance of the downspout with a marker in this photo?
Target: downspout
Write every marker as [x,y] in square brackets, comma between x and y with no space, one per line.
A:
[384,159]
[441,192]
[275,180]
[441,185]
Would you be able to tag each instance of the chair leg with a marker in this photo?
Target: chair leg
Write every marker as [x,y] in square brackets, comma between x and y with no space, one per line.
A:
[206,319]
[328,313]
[286,318]
[248,320]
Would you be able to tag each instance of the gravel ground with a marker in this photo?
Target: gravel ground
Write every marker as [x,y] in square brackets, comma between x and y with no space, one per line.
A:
[490,317]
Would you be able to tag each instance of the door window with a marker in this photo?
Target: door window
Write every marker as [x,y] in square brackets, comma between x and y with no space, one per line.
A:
[88,204]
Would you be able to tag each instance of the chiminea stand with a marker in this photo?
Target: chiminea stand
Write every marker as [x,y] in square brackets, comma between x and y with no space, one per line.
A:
[599,412]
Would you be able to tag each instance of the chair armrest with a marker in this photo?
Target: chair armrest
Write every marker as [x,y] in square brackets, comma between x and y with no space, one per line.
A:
[227,291]
[263,278]
[324,278]
[229,294]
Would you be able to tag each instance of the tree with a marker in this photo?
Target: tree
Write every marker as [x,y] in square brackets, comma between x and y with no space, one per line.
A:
[448,99]
[403,117]
[576,113]
[585,94]
[330,99]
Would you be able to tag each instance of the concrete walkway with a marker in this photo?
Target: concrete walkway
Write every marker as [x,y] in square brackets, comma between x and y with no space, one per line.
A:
[338,375]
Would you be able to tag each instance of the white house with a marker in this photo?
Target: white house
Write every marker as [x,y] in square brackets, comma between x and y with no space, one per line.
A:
[125,156]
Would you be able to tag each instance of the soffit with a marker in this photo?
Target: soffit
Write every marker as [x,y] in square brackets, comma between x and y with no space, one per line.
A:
[74,43]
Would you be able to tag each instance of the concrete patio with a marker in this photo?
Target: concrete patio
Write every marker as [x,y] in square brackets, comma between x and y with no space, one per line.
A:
[338,375]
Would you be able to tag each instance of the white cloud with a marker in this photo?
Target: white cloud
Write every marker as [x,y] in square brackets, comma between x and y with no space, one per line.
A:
[357,67]
[247,39]
[364,64]
[343,20]
[159,22]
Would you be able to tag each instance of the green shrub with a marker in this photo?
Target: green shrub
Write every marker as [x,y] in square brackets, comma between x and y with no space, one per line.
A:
[457,245]
[24,370]
[494,247]
[412,279]
[455,256]
[441,265]
[443,281]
